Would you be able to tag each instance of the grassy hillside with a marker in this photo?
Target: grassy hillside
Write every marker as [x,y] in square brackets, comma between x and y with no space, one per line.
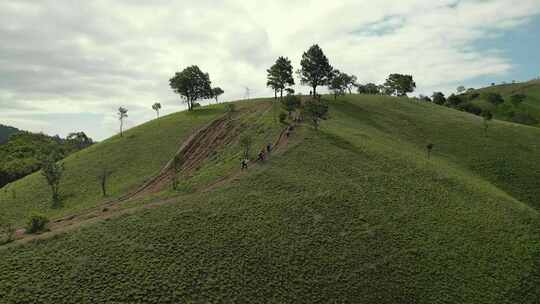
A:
[353,213]
[530,108]
[5,132]
[133,158]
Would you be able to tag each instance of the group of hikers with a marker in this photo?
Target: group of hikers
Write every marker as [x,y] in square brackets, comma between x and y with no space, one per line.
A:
[265,152]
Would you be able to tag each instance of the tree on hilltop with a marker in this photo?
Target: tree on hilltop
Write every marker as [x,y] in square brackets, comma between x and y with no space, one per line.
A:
[122,114]
[400,84]
[191,84]
[316,70]
[216,92]
[438,98]
[280,76]
[338,83]
[156,107]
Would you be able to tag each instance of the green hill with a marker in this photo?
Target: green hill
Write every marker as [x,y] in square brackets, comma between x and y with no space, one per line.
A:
[352,213]
[6,132]
[528,112]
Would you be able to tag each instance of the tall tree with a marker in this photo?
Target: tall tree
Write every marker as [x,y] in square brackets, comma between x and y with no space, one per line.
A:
[438,98]
[52,171]
[400,84]
[216,92]
[338,83]
[316,70]
[191,84]
[156,107]
[280,75]
[122,114]
[79,139]
[350,82]
[461,89]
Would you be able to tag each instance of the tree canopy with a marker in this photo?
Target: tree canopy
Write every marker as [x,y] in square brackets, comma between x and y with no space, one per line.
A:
[216,92]
[280,75]
[316,70]
[339,83]
[438,98]
[191,84]
[369,88]
[156,107]
[400,84]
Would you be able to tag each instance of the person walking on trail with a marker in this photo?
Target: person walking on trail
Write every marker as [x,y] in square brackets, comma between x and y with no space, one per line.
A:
[260,157]
[269,148]
[244,163]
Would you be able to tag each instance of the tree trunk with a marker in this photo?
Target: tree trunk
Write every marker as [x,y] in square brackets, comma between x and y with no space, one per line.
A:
[281,94]
[275,94]
[314,91]
[121,125]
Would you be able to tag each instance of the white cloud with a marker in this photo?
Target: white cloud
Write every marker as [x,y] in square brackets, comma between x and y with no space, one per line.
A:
[93,56]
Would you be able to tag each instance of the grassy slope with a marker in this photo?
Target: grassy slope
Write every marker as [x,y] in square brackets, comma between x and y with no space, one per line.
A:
[353,213]
[531,105]
[133,158]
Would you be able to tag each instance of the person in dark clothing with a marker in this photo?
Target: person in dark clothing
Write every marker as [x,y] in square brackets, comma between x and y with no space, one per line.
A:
[260,157]
[269,148]
[244,163]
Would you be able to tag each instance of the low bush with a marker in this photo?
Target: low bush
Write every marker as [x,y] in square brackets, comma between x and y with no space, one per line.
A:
[36,223]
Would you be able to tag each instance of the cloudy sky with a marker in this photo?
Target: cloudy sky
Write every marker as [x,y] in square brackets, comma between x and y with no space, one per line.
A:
[67,65]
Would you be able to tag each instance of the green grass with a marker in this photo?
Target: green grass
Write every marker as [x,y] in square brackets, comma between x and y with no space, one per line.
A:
[353,213]
[530,106]
[133,158]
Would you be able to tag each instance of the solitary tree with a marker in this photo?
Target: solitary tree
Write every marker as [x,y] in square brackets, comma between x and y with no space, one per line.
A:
[245,143]
[103,176]
[350,81]
[216,92]
[316,70]
[191,84]
[156,106]
[461,89]
[487,116]
[400,84]
[429,148]
[338,83]
[438,98]
[122,114]
[280,75]
[315,110]
[52,171]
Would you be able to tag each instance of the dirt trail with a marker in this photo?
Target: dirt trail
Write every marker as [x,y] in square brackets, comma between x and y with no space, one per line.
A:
[198,147]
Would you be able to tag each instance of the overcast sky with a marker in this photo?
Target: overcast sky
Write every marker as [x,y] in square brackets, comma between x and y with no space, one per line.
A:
[68,65]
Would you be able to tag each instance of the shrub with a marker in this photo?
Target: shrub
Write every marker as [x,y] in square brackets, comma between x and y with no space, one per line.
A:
[230,108]
[282,117]
[36,223]
[7,232]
